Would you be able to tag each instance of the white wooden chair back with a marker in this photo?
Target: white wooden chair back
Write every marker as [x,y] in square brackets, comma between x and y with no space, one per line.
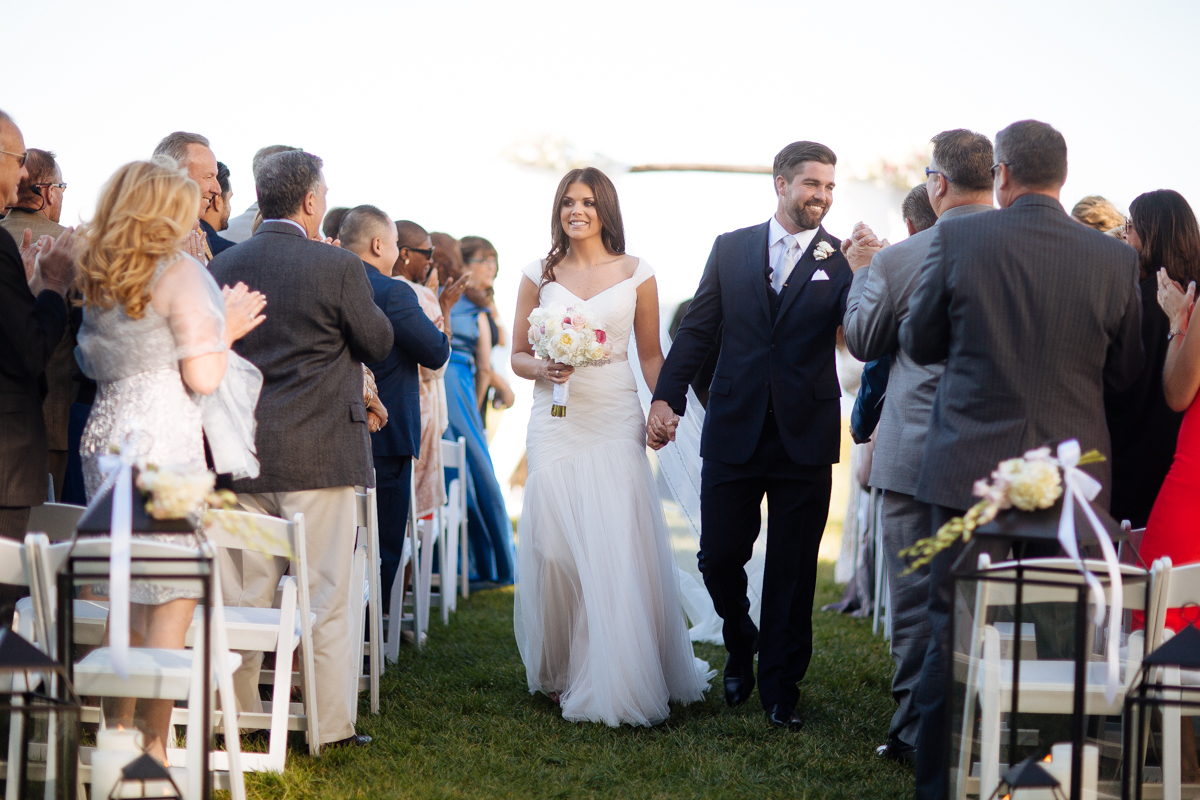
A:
[367,562]
[454,454]
[57,520]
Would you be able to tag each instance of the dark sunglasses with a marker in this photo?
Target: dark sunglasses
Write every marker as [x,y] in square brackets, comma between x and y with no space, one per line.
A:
[428,253]
[996,166]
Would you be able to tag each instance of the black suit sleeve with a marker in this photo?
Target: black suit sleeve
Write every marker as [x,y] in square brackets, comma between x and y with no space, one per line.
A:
[1126,353]
[925,334]
[30,328]
[697,336]
[413,332]
[367,329]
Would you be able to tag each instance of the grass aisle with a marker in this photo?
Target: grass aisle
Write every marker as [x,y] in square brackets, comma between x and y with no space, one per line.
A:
[458,722]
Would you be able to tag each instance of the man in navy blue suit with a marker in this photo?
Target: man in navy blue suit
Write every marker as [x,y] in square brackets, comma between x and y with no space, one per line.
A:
[371,234]
[771,299]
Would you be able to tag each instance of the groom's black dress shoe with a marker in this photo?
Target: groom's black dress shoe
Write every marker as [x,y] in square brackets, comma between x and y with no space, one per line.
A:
[897,750]
[739,682]
[358,740]
[781,716]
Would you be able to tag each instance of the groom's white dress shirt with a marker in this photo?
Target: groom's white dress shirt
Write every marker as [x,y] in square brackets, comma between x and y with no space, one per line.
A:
[781,268]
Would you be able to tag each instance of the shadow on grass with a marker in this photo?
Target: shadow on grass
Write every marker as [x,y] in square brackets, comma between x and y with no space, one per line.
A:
[458,722]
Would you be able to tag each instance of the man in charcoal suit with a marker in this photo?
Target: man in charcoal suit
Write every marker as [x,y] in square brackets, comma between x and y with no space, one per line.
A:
[958,184]
[312,440]
[31,325]
[775,295]
[1034,315]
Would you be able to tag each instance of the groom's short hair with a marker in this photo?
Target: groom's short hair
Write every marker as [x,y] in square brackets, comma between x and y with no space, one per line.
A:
[788,162]
[965,159]
[1036,154]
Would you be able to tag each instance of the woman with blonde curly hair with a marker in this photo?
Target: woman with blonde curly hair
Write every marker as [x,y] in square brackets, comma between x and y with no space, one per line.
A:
[156,338]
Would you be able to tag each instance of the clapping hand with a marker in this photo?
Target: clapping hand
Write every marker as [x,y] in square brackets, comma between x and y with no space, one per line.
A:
[194,244]
[243,311]
[660,425]
[452,289]
[54,262]
[29,257]
[1176,303]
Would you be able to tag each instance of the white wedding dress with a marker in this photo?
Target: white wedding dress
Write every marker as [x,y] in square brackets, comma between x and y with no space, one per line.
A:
[598,616]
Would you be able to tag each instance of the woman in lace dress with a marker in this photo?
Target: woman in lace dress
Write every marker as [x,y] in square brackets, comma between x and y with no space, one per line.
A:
[155,337]
[598,617]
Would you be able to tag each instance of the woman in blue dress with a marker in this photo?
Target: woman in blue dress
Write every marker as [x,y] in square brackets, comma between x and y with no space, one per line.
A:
[488,526]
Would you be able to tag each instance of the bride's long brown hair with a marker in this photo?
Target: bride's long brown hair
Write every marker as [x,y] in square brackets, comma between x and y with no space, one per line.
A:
[608,209]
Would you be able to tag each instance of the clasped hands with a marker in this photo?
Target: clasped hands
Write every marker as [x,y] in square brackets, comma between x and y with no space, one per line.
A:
[660,425]
[1174,301]
[861,246]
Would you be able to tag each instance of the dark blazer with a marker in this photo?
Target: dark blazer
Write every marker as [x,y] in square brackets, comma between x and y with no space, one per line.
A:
[30,329]
[784,359]
[322,323]
[1143,427]
[1035,316]
[215,243]
[416,341]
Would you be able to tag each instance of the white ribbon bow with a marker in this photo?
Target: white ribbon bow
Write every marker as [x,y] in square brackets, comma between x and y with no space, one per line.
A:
[1083,488]
[118,472]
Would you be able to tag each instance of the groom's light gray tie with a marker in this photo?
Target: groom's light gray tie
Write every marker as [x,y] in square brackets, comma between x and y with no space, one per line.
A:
[787,260]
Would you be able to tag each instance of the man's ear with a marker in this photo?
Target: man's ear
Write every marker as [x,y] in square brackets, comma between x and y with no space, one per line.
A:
[377,246]
[780,185]
[310,203]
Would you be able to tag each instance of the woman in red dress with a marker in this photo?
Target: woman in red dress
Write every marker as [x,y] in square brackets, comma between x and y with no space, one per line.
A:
[1163,230]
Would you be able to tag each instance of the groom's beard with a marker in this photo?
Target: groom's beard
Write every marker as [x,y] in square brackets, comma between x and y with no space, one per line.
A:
[808,216]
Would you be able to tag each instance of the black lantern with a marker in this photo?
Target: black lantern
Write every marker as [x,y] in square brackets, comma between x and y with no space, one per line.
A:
[39,722]
[1024,623]
[1160,689]
[146,777]
[1029,776]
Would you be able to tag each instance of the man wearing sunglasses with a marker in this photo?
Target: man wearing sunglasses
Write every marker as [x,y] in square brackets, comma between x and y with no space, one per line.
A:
[30,329]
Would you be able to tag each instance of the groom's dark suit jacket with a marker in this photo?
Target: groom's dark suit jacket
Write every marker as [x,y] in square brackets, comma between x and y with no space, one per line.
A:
[1035,315]
[776,351]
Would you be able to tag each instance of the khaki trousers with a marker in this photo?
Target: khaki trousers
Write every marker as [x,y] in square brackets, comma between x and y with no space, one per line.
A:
[250,579]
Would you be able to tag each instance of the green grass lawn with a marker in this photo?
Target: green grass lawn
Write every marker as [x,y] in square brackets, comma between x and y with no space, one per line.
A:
[458,722]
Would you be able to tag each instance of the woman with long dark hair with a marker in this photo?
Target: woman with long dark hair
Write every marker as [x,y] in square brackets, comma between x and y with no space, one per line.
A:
[598,618]
[1165,234]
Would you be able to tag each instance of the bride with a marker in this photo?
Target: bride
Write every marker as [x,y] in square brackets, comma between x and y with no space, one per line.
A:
[598,617]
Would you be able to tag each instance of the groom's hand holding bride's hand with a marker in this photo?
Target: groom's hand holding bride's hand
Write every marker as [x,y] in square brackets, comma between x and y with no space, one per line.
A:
[660,425]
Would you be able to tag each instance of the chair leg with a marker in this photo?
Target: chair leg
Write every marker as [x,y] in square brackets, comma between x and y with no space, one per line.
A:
[374,611]
[989,756]
[281,695]
[1171,761]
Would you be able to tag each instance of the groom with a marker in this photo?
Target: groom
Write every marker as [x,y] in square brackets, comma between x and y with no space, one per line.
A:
[771,299]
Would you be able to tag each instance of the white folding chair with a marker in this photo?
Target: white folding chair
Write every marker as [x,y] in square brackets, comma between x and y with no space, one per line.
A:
[454,516]
[1047,686]
[366,573]
[397,619]
[278,630]
[1182,589]
[154,673]
[57,520]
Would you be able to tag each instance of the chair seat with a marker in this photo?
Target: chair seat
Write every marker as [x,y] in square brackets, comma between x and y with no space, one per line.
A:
[251,628]
[1046,687]
[154,673]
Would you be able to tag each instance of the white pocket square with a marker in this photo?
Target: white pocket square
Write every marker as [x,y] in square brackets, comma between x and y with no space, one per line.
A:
[819,275]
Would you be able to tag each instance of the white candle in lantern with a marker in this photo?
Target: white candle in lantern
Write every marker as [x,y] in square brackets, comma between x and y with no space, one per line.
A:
[115,747]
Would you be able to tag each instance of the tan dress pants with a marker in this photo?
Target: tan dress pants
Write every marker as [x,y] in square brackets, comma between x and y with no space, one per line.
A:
[250,579]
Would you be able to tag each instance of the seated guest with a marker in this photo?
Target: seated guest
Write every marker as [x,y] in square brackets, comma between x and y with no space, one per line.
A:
[240,227]
[38,209]
[1167,238]
[489,527]
[482,265]
[192,152]
[33,327]
[1143,427]
[1096,212]
[312,437]
[417,342]
[216,217]
[416,270]
[958,185]
[333,221]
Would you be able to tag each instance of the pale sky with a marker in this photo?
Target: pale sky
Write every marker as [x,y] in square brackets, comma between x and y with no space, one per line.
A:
[412,104]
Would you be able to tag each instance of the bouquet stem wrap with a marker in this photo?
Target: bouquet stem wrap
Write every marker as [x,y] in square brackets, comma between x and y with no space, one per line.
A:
[559,396]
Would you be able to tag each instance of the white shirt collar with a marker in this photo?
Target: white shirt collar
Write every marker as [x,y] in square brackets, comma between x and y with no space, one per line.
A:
[803,238]
[289,222]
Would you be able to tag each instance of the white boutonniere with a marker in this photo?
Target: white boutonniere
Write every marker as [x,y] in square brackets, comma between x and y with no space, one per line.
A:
[823,251]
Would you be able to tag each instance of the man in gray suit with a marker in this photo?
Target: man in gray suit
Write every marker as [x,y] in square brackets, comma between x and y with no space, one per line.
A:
[1034,315]
[322,323]
[958,183]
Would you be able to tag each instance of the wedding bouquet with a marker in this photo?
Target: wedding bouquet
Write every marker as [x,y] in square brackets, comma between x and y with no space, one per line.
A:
[572,336]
